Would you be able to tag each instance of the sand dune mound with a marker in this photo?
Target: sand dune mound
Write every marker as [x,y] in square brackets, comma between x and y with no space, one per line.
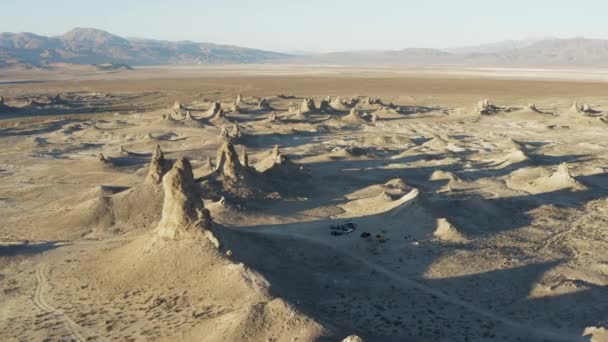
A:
[191,290]
[445,231]
[454,182]
[513,156]
[183,211]
[536,180]
[445,175]
[379,204]
[102,210]
[394,188]
[596,334]
[395,140]
[352,338]
[348,152]
[443,144]
[378,198]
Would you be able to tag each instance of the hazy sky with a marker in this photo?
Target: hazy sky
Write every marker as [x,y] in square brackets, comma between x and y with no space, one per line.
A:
[316,25]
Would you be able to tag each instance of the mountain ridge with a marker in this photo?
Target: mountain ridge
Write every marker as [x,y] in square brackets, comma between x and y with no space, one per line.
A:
[91,46]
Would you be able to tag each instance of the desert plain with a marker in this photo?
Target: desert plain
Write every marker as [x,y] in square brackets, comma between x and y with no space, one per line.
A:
[197,204]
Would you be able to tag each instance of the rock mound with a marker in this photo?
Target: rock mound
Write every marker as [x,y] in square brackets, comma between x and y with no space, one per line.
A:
[183,211]
[352,338]
[445,231]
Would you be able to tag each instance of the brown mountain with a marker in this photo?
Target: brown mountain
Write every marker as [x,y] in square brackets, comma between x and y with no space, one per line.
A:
[92,46]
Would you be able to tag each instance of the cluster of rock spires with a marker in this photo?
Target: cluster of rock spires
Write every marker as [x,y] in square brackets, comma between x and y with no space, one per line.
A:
[485,107]
[356,116]
[584,108]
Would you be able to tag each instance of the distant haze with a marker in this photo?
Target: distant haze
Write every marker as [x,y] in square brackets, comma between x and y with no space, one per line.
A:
[314,25]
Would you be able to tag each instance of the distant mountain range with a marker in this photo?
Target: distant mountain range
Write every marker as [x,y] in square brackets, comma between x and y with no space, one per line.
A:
[96,47]
[92,46]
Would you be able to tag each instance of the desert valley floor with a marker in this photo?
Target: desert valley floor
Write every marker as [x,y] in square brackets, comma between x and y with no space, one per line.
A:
[474,219]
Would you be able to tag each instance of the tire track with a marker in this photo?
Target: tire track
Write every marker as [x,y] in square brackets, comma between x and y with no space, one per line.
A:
[40,301]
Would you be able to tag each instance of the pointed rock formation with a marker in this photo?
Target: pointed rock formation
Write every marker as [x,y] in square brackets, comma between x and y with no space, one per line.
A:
[264,104]
[338,104]
[183,211]
[273,160]
[238,100]
[236,109]
[325,107]
[273,117]
[576,108]
[308,105]
[354,115]
[562,179]
[236,131]
[178,106]
[294,109]
[532,107]
[215,111]
[484,107]
[224,135]
[244,157]
[375,118]
[373,101]
[157,167]
[228,163]
[103,158]
[189,116]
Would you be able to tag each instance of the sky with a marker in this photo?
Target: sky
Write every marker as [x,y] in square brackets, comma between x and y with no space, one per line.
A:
[316,25]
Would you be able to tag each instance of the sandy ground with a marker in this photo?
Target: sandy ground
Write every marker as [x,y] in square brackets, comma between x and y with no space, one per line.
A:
[479,227]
